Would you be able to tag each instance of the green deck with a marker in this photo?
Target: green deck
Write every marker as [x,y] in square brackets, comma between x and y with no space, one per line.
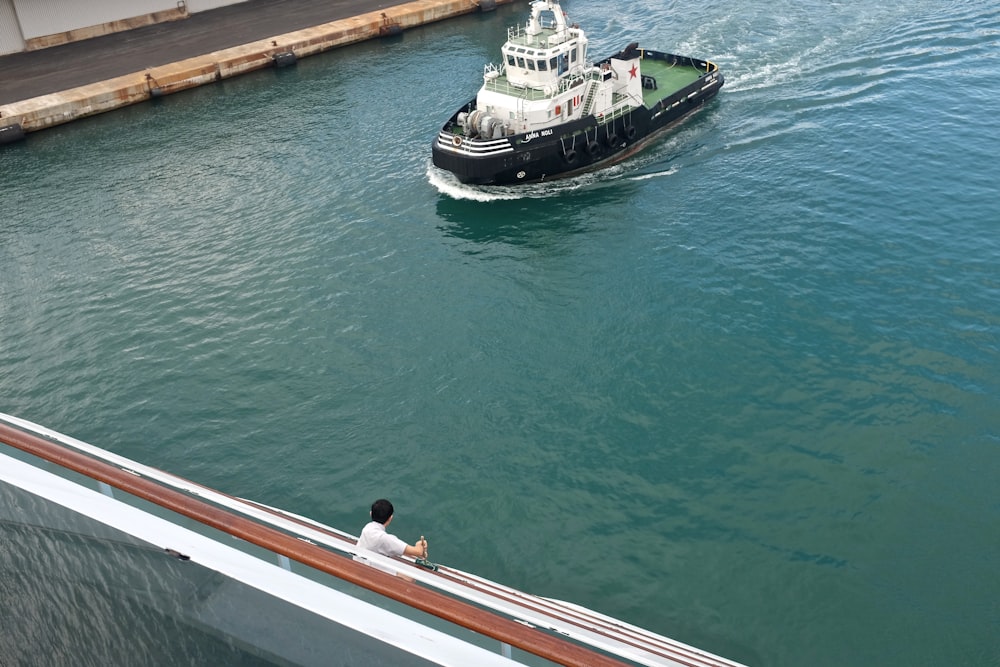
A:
[669,78]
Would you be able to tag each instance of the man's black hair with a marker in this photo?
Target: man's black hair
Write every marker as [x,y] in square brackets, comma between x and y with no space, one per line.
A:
[381,510]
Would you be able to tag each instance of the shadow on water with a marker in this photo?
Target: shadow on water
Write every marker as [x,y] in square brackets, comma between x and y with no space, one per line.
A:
[527,217]
[520,214]
[517,222]
[535,213]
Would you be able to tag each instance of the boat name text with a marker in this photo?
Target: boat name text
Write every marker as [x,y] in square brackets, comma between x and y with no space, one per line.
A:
[534,135]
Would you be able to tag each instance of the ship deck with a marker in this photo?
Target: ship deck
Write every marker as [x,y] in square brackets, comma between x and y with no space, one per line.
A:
[288,587]
[669,78]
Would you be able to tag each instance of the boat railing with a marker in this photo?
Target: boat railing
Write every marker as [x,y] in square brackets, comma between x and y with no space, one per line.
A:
[519,35]
[495,80]
[501,84]
[550,629]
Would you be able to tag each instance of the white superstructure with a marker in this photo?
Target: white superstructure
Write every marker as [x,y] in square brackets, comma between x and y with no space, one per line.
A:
[545,79]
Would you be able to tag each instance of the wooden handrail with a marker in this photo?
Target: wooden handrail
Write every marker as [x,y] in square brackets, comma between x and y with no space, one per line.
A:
[432,602]
[642,640]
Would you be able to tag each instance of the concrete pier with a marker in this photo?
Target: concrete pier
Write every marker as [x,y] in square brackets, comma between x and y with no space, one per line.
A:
[40,111]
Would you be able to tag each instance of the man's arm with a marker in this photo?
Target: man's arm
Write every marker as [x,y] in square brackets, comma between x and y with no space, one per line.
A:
[417,549]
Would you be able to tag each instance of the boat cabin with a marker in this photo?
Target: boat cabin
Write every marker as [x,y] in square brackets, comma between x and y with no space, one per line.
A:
[545,80]
[546,49]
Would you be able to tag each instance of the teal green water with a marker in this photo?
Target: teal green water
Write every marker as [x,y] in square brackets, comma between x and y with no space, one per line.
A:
[741,390]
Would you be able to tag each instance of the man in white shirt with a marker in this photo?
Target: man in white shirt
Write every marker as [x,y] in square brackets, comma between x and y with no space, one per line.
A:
[375,538]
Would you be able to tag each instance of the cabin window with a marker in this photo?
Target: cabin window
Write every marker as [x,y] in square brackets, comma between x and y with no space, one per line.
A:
[552,64]
[542,65]
[510,60]
[531,65]
[520,62]
[563,63]
[572,55]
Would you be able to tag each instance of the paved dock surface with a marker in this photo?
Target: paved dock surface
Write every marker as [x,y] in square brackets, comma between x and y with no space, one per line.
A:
[30,74]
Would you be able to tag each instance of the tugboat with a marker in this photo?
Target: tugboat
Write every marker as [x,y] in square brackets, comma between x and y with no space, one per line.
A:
[546,112]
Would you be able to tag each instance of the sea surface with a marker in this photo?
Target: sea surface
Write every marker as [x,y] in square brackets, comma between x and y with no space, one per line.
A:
[742,389]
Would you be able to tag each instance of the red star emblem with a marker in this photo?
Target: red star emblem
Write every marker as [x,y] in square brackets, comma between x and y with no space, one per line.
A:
[632,71]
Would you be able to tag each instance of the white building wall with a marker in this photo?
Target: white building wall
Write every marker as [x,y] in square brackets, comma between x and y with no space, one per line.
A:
[11,40]
[195,6]
[48,17]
